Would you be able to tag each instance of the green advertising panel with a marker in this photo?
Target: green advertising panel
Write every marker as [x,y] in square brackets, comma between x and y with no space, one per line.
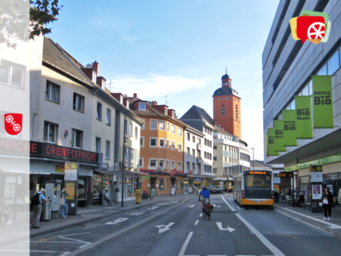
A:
[265,144]
[289,124]
[271,142]
[279,139]
[322,102]
[304,127]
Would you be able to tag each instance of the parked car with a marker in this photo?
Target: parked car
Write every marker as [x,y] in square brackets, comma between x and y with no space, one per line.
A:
[217,190]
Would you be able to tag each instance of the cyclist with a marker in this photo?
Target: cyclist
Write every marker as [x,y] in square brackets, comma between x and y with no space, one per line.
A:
[205,195]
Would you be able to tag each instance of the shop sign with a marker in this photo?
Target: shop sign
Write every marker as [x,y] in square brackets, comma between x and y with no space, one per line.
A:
[316,174]
[304,127]
[322,102]
[114,178]
[279,139]
[277,180]
[60,169]
[16,147]
[145,177]
[71,171]
[157,185]
[49,150]
[289,125]
[10,179]
[317,191]
[271,142]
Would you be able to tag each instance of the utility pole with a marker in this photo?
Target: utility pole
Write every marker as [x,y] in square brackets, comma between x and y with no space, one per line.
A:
[123,157]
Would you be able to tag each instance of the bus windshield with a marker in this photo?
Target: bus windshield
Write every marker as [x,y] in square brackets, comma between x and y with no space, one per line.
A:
[258,181]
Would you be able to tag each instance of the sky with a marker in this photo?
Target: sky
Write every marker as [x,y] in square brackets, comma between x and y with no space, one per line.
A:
[174,48]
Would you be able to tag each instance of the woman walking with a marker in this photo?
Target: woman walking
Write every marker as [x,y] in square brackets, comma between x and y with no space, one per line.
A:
[327,200]
[64,208]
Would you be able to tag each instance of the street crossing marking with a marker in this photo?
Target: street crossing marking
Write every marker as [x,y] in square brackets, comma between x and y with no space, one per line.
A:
[116,221]
[196,223]
[218,206]
[152,208]
[191,206]
[136,213]
[163,228]
[200,215]
[220,226]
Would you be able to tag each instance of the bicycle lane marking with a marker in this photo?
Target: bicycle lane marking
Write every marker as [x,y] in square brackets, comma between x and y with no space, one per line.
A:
[259,235]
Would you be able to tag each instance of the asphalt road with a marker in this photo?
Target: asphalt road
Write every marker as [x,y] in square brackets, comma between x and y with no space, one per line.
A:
[176,228]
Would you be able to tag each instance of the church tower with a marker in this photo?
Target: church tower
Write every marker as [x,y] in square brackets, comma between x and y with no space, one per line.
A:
[226,107]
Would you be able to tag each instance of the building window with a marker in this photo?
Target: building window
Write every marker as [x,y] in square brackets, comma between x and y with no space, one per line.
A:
[153,142]
[162,163]
[188,151]
[193,139]
[98,145]
[108,116]
[188,166]
[153,124]
[136,133]
[173,128]
[77,139]
[193,167]
[199,141]
[94,77]
[167,143]
[142,106]
[179,147]
[162,125]
[152,163]
[107,150]
[142,141]
[50,132]
[52,92]
[78,102]
[173,145]
[179,166]
[236,111]
[143,125]
[131,130]
[162,143]
[227,98]
[223,110]
[188,137]
[193,152]
[125,127]
[141,163]
[218,99]
[179,131]
[99,111]
[172,164]
[167,164]
[11,74]
[167,126]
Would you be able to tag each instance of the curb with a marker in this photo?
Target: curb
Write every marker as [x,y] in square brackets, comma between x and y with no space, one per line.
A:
[77,223]
[302,219]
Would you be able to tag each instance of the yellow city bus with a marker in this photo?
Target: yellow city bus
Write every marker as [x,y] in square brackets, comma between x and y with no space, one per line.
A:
[253,188]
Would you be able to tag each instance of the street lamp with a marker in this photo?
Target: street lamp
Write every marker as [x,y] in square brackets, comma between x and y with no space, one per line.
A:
[253,157]
[123,157]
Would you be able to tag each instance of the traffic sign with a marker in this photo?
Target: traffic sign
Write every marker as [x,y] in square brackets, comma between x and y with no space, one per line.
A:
[197,178]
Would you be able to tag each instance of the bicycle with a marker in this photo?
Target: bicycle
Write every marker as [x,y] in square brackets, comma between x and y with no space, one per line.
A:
[207,209]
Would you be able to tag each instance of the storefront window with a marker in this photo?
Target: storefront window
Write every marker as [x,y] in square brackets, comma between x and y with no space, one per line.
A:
[96,186]
[81,189]
[179,185]
[333,182]
[130,184]
[161,184]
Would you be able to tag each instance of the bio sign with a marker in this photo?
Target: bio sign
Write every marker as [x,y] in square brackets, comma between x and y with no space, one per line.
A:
[279,138]
[303,117]
[271,142]
[289,125]
[322,102]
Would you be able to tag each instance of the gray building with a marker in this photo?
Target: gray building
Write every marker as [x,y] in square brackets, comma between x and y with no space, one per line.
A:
[287,69]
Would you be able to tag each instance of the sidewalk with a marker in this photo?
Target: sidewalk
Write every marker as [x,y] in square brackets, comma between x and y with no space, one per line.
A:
[98,212]
[316,219]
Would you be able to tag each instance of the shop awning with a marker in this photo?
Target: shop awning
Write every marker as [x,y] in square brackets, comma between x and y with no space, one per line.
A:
[99,171]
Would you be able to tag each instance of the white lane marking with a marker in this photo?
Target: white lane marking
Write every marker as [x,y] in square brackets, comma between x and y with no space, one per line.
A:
[200,215]
[220,226]
[196,223]
[64,253]
[184,246]
[164,228]
[191,206]
[330,225]
[191,212]
[85,243]
[27,251]
[152,208]
[116,221]
[232,209]
[238,207]
[265,241]
[136,213]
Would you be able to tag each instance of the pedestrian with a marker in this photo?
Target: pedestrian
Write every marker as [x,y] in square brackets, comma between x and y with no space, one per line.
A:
[5,211]
[152,193]
[196,190]
[107,198]
[64,207]
[38,200]
[327,200]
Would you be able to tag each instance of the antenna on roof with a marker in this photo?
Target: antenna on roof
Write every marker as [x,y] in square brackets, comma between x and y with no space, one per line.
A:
[166,97]
[226,69]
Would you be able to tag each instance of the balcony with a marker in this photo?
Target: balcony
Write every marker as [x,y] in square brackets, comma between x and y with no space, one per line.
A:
[198,146]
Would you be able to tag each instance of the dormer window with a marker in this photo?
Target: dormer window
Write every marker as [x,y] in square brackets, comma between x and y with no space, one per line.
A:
[94,77]
[172,114]
[142,106]
[166,111]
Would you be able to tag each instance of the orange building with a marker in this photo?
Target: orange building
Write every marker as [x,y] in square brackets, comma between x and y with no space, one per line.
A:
[162,145]
[226,107]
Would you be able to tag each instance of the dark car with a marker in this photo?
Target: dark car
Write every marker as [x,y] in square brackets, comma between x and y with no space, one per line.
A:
[217,190]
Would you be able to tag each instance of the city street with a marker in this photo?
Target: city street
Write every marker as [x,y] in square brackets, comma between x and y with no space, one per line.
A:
[177,228]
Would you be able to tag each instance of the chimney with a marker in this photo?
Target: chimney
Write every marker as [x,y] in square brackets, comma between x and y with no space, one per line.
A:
[125,95]
[95,67]
[135,95]
[154,103]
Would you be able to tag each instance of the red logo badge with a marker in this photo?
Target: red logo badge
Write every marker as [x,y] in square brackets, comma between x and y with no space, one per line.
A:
[13,123]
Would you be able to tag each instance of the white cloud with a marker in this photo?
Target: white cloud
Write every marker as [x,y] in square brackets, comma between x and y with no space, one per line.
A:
[155,85]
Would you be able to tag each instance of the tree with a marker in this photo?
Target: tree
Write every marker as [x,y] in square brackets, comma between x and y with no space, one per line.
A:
[16,21]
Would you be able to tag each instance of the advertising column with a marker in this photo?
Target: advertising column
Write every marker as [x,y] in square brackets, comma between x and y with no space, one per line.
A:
[71,185]
[316,179]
